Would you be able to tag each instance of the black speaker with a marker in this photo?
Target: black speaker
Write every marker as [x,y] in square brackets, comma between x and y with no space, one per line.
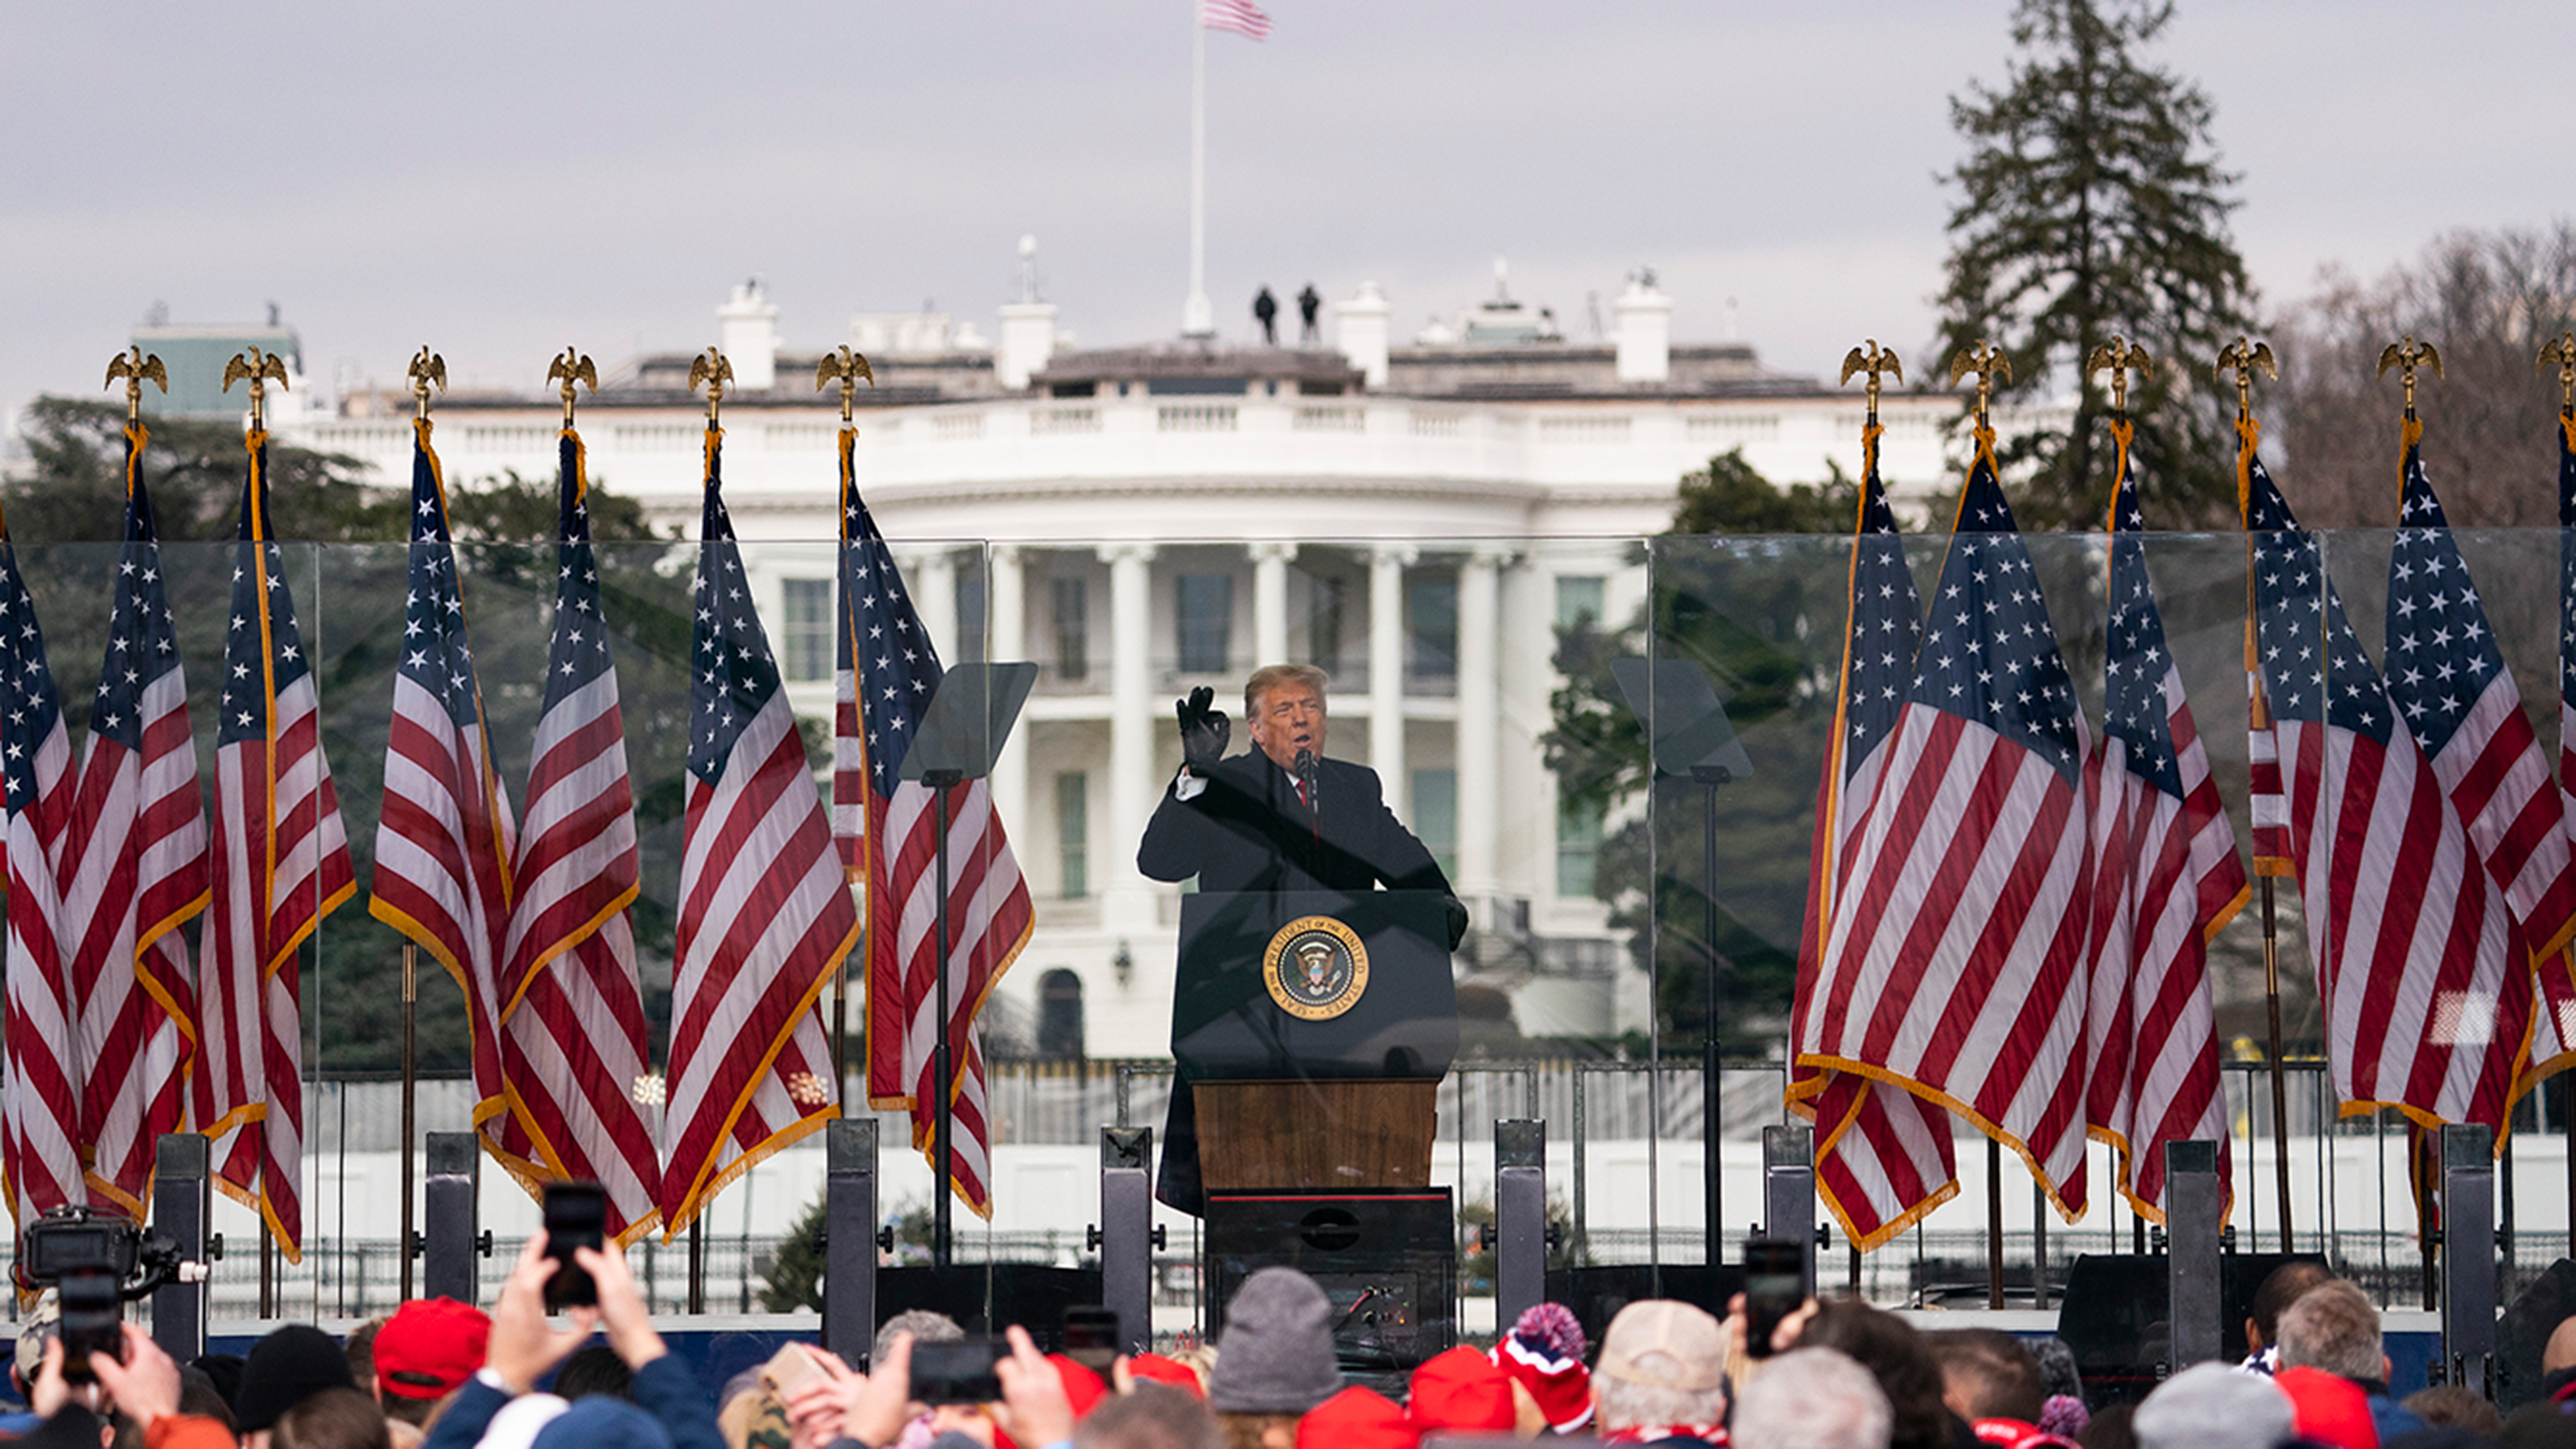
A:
[2524,1329]
[1597,1294]
[1387,1259]
[2113,1317]
[986,1298]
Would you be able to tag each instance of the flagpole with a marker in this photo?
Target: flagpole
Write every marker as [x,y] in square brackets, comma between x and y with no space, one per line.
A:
[1198,319]
[410,1082]
[1994,1223]
[2280,1087]
[2242,357]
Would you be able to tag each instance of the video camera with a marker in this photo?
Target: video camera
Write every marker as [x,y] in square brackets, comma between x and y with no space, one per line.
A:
[96,1262]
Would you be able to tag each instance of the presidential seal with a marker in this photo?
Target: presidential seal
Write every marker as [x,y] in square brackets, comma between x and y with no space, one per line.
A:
[1316,968]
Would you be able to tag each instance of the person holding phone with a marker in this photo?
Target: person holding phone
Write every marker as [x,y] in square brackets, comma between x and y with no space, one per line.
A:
[524,1346]
[139,1383]
[846,1410]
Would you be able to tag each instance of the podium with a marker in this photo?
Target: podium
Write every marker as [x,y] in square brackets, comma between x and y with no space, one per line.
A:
[1314,1028]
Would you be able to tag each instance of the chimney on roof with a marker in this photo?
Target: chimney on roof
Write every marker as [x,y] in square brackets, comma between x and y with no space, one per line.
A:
[1028,327]
[747,328]
[1360,325]
[1644,330]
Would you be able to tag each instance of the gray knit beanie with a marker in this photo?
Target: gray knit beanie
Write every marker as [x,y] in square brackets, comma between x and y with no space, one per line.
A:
[2212,1406]
[1276,1356]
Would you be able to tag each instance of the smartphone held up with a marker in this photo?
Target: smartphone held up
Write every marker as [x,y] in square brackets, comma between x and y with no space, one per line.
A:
[576,1217]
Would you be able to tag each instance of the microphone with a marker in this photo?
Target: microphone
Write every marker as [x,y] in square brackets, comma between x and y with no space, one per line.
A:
[1314,805]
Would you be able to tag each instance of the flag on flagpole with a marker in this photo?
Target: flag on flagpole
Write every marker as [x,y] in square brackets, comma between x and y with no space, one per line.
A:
[2449,680]
[136,872]
[1240,16]
[888,668]
[2554,970]
[281,864]
[1884,1157]
[2427,997]
[445,838]
[570,1008]
[1954,966]
[41,1109]
[2567,615]
[2166,879]
[765,913]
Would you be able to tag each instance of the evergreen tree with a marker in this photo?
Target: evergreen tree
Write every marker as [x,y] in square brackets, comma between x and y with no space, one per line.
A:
[795,1278]
[2092,203]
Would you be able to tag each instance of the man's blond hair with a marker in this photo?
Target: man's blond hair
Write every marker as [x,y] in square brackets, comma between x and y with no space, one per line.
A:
[1273,676]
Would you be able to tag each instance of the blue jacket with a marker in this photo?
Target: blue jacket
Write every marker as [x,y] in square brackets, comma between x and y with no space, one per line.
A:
[664,1388]
[2388,1416]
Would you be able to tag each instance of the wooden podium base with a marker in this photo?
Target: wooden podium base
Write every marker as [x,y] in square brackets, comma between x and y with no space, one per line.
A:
[1317,1135]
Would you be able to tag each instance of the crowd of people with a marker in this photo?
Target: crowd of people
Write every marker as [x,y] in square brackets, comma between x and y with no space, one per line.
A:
[1840,1374]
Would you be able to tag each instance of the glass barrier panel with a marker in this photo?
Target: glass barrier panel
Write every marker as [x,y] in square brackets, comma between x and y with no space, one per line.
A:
[1501,698]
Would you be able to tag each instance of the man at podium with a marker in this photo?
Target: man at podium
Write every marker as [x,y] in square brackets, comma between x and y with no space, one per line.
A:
[1280,817]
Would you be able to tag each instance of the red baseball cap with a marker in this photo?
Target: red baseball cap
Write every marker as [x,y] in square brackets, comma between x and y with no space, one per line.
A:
[429,1347]
[1461,1389]
[1161,1370]
[1082,1388]
[1357,1418]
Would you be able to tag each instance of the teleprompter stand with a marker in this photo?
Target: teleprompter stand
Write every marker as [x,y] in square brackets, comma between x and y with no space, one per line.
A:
[1691,739]
[970,715]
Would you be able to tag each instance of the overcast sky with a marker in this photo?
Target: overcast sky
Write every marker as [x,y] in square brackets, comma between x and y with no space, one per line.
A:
[500,179]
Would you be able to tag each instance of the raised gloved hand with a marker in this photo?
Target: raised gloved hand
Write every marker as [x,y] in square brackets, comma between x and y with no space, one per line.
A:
[1457,921]
[1204,730]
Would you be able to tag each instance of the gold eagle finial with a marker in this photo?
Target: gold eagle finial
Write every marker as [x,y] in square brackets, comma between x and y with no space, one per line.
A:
[2406,356]
[1872,359]
[1989,363]
[136,368]
[2242,357]
[260,369]
[573,367]
[846,368]
[2563,352]
[427,370]
[2119,357]
[711,371]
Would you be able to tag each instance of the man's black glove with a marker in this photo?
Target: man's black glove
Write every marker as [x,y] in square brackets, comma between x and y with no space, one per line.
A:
[1457,921]
[1204,730]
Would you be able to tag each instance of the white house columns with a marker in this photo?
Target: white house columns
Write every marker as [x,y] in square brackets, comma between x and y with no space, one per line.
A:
[1127,903]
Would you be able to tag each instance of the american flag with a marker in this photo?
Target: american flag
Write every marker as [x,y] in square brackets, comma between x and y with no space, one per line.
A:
[1240,16]
[444,842]
[765,913]
[2166,879]
[2427,997]
[2449,680]
[1883,1155]
[281,864]
[570,1009]
[1955,965]
[137,872]
[886,826]
[41,1111]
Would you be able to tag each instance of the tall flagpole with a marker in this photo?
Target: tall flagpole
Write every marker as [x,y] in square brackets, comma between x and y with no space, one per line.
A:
[1198,319]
